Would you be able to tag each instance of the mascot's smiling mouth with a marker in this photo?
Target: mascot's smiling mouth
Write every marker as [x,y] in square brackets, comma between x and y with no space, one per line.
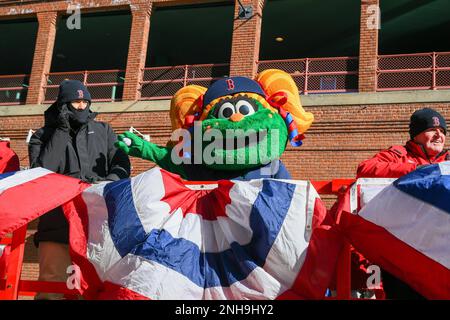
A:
[246,142]
[248,139]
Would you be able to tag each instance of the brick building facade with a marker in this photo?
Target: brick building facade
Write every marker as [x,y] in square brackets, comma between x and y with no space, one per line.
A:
[348,128]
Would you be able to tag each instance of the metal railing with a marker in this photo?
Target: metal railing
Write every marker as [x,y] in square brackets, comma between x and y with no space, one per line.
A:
[319,75]
[418,71]
[164,82]
[13,89]
[103,85]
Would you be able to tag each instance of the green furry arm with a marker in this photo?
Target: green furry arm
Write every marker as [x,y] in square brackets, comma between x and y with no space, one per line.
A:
[149,151]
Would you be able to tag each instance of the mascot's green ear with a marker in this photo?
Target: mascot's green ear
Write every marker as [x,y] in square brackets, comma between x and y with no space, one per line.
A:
[273,81]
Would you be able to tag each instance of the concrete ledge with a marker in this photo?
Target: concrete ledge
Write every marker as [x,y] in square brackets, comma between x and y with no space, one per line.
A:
[100,107]
[392,97]
[342,99]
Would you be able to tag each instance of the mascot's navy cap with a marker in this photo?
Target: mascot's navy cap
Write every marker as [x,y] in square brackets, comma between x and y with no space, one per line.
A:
[230,86]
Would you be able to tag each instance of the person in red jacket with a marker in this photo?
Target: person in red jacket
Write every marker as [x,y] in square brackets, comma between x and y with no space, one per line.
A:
[9,161]
[427,129]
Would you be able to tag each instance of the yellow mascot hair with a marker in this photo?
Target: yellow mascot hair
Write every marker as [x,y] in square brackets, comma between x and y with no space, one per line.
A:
[274,80]
[184,103]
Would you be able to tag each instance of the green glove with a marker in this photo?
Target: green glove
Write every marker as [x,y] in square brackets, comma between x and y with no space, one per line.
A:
[131,144]
[134,146]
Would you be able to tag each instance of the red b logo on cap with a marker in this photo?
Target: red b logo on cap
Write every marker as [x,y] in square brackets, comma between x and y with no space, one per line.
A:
[436,122]
[230,84]
[80,94]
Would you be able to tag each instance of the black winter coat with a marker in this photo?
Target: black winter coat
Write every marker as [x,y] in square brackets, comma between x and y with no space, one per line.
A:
[92,156]
[88,154]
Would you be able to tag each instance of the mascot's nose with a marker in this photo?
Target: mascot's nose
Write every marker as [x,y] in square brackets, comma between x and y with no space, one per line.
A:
[236,117]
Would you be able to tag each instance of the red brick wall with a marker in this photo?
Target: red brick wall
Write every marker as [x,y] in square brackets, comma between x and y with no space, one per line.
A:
[368,48]
[43,53]
[137,50]
[246,40]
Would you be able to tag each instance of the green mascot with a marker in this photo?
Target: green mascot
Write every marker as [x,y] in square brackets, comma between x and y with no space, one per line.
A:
[238,128]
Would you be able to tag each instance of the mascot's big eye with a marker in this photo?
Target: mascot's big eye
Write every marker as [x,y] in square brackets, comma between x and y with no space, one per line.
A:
[226,110]
[244,107]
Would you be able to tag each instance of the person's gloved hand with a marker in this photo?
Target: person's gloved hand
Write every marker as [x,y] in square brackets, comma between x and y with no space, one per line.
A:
[94,179]
[130,143]
[63,118]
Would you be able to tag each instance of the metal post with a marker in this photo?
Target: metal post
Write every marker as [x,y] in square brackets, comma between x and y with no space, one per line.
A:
[305,91]
[377,73]
[14,267]
[185,75]
[85,77]
[45,86]
[113,93]
[433,85]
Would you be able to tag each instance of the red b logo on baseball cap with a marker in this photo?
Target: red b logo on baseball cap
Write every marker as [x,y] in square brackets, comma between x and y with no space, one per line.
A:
[436,122]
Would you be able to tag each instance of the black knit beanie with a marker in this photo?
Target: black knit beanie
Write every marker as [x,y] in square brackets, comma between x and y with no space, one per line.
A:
[70,90]
[424,119]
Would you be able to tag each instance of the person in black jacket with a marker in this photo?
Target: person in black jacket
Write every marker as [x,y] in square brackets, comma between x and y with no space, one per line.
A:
[74,144]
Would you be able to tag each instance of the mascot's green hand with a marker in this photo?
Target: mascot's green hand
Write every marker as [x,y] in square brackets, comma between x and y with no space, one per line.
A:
[130,143]
[134,146]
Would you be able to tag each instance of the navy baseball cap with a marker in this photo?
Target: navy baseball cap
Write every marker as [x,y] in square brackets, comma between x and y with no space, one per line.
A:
[230,86]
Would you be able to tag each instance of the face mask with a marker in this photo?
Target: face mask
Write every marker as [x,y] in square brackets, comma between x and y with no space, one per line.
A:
[79,116]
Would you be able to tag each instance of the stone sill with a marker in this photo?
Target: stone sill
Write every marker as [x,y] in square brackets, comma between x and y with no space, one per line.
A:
[313,100]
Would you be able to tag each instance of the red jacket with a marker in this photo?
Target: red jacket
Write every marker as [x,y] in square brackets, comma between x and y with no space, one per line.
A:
[398,161]
[393,163]
[9,161]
